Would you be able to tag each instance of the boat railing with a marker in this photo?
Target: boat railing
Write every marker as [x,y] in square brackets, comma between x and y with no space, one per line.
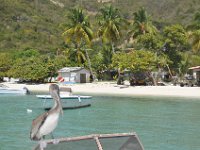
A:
[117,141]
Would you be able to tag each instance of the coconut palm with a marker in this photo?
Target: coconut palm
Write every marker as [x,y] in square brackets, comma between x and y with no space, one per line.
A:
[110,25]
[142,24]
[79,33]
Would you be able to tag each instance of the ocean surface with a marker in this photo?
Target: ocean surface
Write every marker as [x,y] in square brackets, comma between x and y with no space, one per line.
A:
[160,123]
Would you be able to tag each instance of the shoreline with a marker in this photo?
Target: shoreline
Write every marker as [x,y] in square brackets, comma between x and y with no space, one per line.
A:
[110,88]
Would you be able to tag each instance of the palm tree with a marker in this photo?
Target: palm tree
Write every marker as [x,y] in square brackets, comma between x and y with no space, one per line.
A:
[142,24]
[79,33]
[110,23]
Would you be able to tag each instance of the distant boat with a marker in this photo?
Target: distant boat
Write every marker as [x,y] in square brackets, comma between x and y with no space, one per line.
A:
[69,101]
[65,93]
[7,90]
[65,96]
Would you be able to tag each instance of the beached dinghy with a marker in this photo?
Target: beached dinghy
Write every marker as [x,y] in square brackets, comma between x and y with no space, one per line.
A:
[117,141]
[7,90]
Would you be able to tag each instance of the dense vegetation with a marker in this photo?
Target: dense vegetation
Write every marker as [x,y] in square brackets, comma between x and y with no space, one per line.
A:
[37,37]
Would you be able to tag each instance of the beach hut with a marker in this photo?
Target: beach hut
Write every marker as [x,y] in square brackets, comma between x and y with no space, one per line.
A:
[74,75]
[196,73]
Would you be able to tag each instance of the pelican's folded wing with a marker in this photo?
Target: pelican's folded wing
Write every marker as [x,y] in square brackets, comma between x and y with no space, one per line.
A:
[36,124]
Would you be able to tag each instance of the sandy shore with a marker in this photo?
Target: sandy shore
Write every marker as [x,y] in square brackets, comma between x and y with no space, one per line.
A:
[108,88]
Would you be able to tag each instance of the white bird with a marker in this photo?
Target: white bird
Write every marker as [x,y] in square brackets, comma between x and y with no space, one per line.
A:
[29,110]
[47,122]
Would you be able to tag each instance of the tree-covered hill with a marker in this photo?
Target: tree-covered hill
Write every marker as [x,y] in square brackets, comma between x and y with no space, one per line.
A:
[38,23]
[37,37]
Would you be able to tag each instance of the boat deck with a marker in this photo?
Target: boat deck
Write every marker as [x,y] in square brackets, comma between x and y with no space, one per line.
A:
[117,141]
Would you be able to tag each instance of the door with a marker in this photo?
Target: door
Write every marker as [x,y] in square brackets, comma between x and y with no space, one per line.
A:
[82,78]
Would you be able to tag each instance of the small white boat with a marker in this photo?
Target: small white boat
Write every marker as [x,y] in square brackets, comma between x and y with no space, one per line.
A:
[7,90]
[69,101]
[65,93]
[64,96]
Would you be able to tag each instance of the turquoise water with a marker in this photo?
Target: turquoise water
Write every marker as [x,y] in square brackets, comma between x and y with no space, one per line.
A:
[161,123]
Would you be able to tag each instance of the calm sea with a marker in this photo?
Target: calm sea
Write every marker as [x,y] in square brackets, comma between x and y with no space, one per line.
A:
[161,123]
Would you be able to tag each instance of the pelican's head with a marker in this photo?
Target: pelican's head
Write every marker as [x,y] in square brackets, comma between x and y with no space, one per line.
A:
[54,89]
[55,94]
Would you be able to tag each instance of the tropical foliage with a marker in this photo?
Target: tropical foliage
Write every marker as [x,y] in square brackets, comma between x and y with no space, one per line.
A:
[142,23]
[136,61]
[110,23]
[34,45]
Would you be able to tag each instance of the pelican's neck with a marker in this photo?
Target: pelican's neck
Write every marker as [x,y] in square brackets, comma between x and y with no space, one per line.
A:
[57,104]
[57,107]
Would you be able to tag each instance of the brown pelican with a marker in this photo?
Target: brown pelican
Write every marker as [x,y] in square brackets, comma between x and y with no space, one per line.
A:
[47,122]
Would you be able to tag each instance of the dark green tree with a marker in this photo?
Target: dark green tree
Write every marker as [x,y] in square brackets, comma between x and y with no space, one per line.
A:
[176,40]
[142,24]
[6,62]
[110,25]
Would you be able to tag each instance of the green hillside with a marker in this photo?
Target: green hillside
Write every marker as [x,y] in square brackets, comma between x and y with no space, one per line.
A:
[38,23]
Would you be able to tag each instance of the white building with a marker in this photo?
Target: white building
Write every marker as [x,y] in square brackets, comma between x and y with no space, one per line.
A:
[74,74]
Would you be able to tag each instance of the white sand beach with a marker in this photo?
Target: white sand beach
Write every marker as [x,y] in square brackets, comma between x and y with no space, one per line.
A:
[111,88]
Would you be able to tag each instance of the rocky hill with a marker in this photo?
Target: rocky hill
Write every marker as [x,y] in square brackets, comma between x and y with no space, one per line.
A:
[38,23]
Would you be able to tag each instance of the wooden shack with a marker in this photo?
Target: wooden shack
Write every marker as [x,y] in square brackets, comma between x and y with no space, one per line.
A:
[74,74]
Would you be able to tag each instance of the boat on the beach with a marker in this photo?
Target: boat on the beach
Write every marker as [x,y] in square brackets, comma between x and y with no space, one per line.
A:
[117,141]
[7,90]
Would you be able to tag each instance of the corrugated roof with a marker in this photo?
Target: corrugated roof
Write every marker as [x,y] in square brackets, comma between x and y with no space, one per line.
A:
[70,69]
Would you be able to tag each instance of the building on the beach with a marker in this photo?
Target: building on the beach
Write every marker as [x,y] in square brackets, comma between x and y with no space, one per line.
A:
[196,74]
[74,75]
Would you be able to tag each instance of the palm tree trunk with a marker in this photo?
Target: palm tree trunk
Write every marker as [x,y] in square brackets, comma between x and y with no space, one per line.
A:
[89,64]
[169,70]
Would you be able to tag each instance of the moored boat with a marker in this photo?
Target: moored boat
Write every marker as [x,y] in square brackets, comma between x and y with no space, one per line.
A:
[65,93]
[69,101]
[64,96]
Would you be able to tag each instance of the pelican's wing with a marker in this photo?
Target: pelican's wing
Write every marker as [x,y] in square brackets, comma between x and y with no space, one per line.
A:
[36,124]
